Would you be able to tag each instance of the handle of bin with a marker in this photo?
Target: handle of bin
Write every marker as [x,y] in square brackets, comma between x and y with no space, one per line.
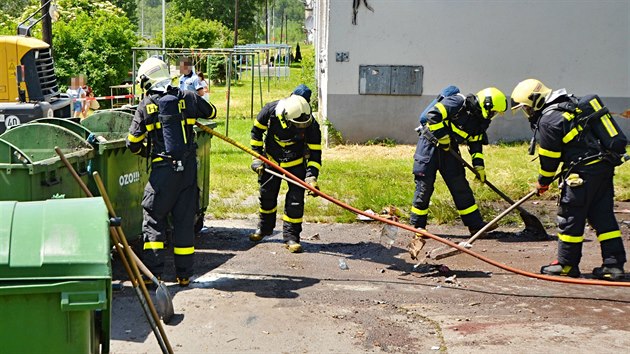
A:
[51,182]
[80,301]
[83,172]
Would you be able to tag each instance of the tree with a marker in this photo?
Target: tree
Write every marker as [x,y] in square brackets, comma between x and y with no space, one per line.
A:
[13,8]
[223,11]
[129,7]
[8,24]
[186,31]
[93,38]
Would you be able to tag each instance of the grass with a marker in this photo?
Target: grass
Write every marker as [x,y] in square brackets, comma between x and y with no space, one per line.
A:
[372,176]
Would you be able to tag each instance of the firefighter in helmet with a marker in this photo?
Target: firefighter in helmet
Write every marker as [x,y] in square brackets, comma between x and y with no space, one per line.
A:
[162,131]
[286,133]
[586,176]
[453,120]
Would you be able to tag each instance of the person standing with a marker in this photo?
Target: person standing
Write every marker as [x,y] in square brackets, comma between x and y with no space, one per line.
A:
[287,134]
[205,85]
[92,103]
[189,81]
[162,131]
[588,166]
[78,94]
[453,120]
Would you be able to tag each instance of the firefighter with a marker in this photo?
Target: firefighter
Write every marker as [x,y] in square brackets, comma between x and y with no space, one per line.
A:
[162,131]
[587,179]
[453,120]
[286,133]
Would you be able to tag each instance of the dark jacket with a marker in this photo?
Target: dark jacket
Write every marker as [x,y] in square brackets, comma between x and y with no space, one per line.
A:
[146,123]
[460,117]
[287,147]
[560,141]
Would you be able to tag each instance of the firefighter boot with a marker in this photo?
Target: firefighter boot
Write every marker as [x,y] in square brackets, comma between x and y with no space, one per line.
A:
[258,235]
[609,272]
[293,246]
[556,268]
[183,281]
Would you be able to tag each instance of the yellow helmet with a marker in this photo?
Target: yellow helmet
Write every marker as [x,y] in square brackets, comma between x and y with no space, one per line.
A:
[153,75]
[529,95]
[492,101]
[295,110]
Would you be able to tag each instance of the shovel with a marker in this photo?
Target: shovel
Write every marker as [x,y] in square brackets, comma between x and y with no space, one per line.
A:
[164,302]
[468,244]
[532,224]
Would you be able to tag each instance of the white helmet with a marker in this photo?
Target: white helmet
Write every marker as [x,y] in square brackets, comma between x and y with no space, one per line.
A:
[530,96]
[295,110]
[153,75]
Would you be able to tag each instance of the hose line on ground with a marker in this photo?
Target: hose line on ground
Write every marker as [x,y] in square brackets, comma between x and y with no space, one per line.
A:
[408,227]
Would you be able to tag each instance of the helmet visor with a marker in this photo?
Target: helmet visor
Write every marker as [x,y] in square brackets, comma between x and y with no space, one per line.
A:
[303,121]
[527,110]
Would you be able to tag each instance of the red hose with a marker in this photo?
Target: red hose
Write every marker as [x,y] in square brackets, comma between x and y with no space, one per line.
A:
[412,229]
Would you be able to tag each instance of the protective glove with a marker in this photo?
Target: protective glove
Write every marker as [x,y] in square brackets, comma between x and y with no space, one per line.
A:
[445,142]
[541,188]
[258,166]
[481,173]
[311,181]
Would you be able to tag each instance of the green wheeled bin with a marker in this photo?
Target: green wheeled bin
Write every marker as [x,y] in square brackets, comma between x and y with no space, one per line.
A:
[55,276]
[124,174]
[203,167]
[30,168]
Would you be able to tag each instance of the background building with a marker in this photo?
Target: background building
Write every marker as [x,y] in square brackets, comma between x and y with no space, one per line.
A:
[377,75]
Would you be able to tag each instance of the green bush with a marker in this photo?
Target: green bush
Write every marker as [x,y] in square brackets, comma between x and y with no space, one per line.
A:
[216,69]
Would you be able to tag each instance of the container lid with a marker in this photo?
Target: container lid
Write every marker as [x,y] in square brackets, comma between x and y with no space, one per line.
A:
[54,239]
[38,140]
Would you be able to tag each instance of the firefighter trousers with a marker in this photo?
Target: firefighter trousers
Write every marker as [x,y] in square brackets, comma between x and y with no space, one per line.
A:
[170,194]
[592,201]
[293,204]
[454,175]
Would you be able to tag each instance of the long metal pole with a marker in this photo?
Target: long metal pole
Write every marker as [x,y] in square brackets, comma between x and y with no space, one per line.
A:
[252,99]
[260,80]
[163,24]
[229,82]
[46,23]
[235,23]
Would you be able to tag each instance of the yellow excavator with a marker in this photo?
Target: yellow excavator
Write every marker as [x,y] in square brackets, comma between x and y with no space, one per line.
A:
[28,84]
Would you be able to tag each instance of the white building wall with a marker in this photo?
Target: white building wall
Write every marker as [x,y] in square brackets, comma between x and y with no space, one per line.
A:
[583,46]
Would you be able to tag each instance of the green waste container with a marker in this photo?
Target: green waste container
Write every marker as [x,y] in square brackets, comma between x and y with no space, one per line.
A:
[55,276]
[124,174]
[203,167]
[30,168]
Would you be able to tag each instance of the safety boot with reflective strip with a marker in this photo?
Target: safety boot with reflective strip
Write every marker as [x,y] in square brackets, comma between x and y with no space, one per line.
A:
[183,282]
[556,268]
[293,246]
[609,273]
[258,235]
